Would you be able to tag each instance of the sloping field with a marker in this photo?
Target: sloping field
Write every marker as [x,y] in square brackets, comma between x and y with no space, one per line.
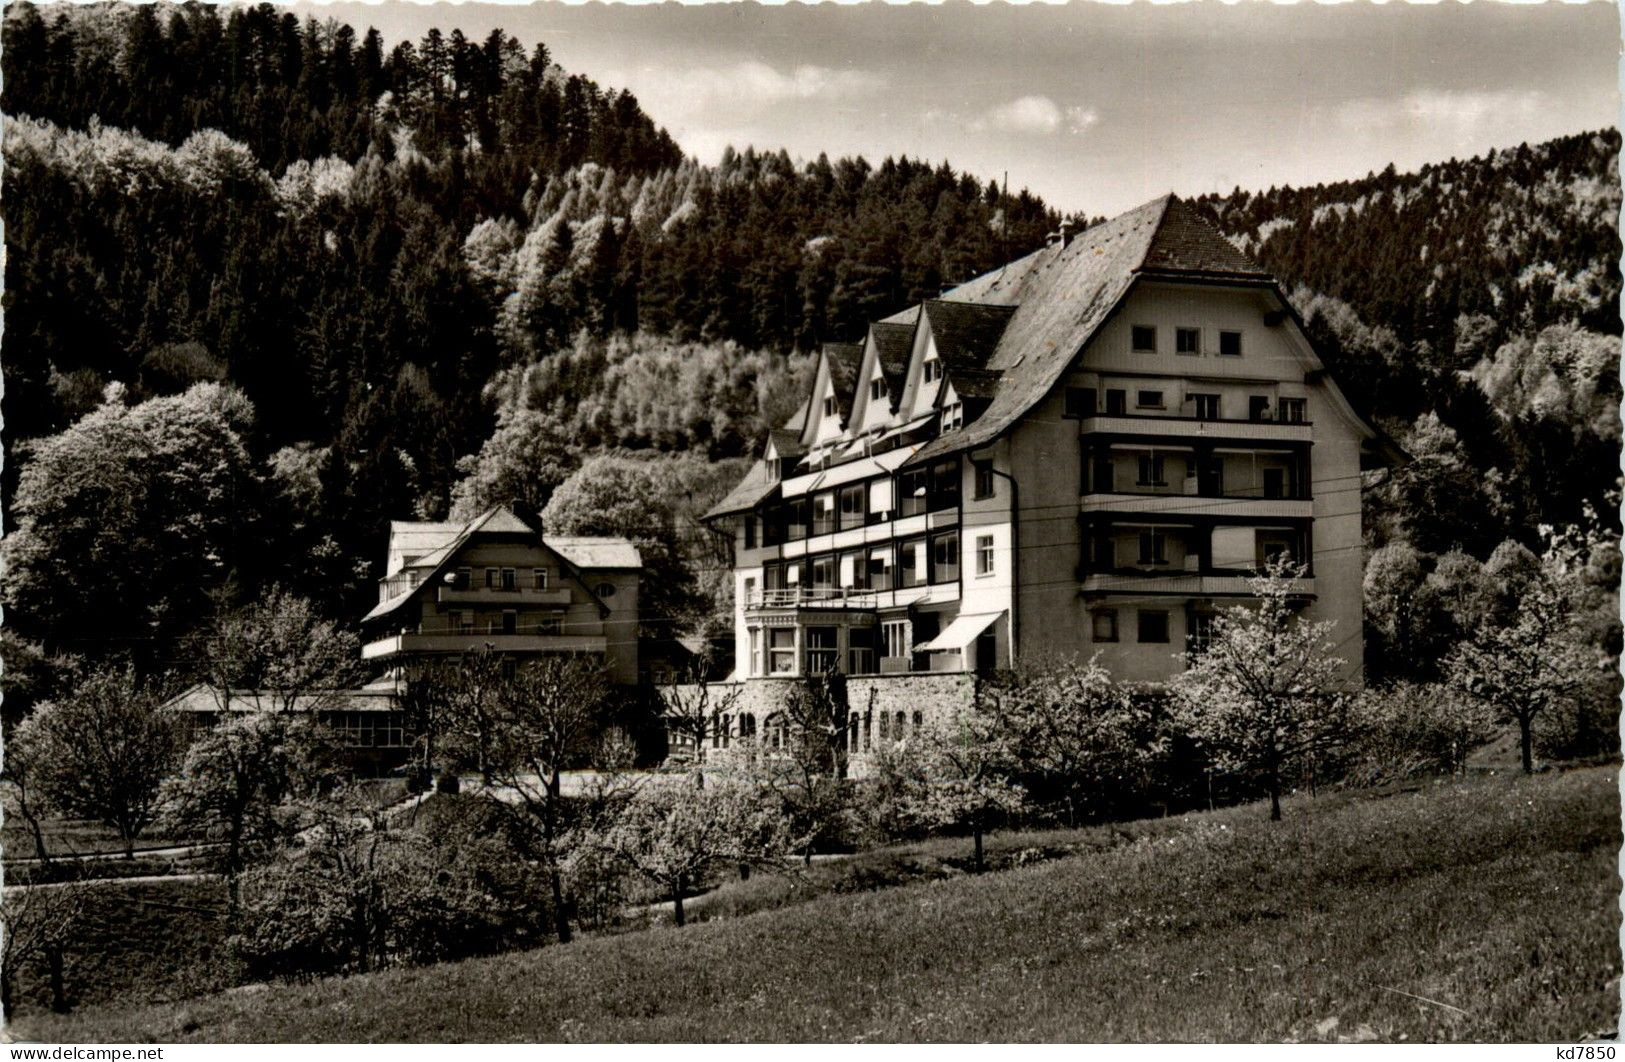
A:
[1477,910]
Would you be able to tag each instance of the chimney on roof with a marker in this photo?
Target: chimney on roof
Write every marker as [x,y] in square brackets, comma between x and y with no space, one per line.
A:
[1062,237]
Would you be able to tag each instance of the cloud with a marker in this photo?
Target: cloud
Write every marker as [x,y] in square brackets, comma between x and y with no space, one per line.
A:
[1451,116]
[1033,116]
[748,88]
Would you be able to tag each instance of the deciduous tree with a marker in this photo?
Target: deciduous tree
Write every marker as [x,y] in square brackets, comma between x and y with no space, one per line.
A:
[1531,660]
[675,833]
[550,719]
[1080,740]
[236,783]
[128,519]
[102,751]
[277,653]
[1267,691]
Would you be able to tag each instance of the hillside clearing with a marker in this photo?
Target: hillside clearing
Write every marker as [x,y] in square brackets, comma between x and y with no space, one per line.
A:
[1470,910]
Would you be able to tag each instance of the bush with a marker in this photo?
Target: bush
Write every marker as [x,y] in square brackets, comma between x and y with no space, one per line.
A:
[1409,730]
[360,898]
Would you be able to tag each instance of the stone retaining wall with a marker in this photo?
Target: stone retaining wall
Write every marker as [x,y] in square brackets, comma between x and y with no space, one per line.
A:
[922,698]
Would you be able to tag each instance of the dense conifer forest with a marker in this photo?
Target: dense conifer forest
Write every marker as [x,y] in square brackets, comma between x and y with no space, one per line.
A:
[413,282]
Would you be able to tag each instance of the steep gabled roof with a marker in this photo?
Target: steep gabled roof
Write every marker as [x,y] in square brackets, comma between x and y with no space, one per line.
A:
[1060,296]
[410,540]
[976,383]
[786,442]
[1186,243]
[595,552]
[966,333]
[844,360]
[758,484]
[893,340]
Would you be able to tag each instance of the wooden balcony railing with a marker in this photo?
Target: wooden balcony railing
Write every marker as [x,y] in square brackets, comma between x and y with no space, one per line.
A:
[811,597]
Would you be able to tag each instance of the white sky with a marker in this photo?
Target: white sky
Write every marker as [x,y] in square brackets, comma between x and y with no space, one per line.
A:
[1096,107]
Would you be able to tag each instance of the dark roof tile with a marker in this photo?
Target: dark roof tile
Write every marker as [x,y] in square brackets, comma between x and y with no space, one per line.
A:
[893,343]
[966,333]
[844,360]
[1186,242]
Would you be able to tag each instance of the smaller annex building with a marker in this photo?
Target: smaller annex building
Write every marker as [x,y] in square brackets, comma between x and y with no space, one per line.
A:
[450,588]
[499,580]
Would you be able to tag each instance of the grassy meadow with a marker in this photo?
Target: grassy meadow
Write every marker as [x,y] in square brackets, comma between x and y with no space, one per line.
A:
[139,943]
[1479,910]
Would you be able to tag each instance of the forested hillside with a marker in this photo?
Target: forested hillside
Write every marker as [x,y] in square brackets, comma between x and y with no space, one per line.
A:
[446,274]
[360,242]
[1473,308]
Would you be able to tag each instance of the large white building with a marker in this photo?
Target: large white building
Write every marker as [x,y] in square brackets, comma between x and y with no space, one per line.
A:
[1086,451]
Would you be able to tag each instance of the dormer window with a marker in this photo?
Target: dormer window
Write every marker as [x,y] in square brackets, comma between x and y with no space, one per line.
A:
[932,370]
[953,416]
[877,390]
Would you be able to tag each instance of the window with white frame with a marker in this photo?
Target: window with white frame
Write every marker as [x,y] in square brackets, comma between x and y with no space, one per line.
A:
[953,416]
[539,578]
[782,651]
[984,554]
[931,370]
[1207,406]
[896,636]
[877,390]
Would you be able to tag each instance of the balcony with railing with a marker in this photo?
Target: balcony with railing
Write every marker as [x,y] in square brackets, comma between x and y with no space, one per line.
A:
[522,639]
[811,597]
[1266,426]
[503,597]
[1159,559]
[1229,482]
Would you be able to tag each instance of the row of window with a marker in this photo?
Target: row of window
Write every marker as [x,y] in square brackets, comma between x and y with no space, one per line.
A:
[1151,627]
[1110,550]
[507,621]
[1187,341]
[1255,474]
[1082,402]
[821,649]
[912,562]
[369,730]
[500,579]
[863,504]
